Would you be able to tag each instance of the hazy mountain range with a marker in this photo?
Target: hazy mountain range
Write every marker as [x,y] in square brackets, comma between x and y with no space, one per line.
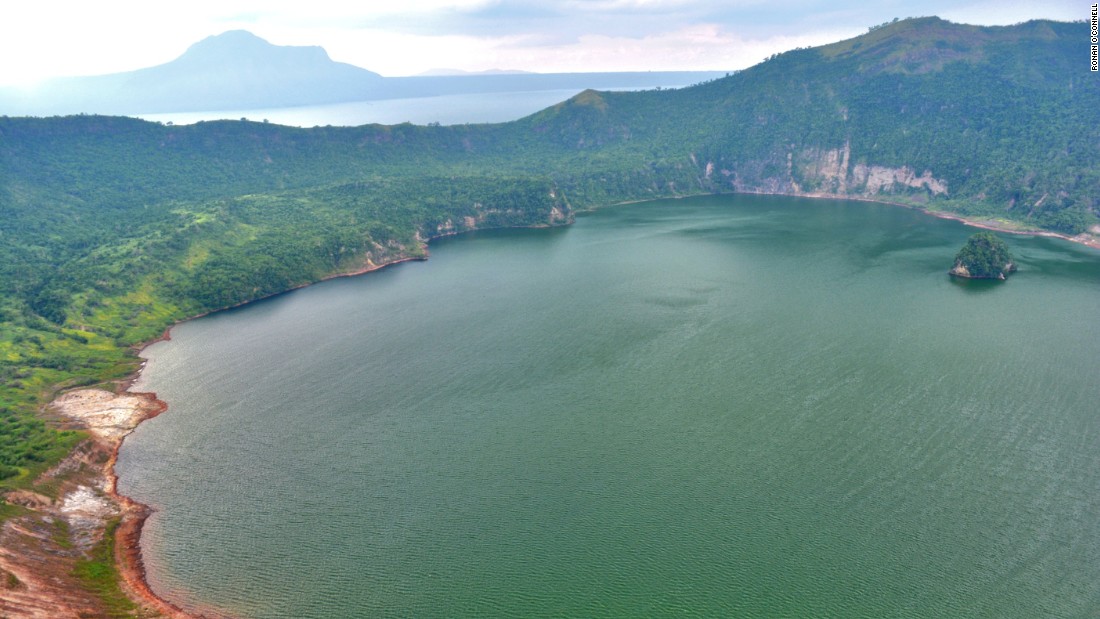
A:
[237,70]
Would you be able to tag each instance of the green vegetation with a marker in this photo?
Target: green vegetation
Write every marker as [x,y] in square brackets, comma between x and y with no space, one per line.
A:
[7,510]
[99,575]
[112,229]
[27,445]
[984,256]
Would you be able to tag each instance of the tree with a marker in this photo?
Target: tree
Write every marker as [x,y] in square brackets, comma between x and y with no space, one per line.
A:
[984,256]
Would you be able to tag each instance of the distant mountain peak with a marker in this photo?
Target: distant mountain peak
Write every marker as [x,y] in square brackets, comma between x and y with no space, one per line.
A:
[233,70]
[242,44]
[235,36]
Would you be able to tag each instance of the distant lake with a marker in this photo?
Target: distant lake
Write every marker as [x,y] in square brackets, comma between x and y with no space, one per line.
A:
[735,406]
[493,107]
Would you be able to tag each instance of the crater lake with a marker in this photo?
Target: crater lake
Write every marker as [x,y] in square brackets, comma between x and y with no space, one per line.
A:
[742,406]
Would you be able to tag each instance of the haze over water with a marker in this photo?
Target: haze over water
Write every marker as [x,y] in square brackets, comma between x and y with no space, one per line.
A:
[725,406]
[444,109]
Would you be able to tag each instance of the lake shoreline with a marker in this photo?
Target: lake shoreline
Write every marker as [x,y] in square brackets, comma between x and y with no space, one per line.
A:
[127,551]
[1086,238]
[128,555]
[91,500]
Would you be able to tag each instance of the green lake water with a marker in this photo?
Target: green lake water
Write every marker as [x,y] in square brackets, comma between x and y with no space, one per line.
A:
[732,406]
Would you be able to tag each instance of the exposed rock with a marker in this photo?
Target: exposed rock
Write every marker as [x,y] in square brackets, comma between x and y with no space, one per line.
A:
[105,414]
[87,512]
[829,173]
[960,270]
[40,549]
[876,179]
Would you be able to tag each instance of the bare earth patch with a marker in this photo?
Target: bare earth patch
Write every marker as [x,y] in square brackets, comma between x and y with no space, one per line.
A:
[107,415]
[40,549]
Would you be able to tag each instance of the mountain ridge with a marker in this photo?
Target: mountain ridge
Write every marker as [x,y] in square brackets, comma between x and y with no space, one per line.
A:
[237,70]
[982,118]
[233,70]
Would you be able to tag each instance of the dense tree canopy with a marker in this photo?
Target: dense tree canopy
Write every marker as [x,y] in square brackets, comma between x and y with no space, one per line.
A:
[984,256]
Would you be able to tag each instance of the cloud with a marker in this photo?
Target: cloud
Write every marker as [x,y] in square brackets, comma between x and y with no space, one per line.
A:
[409,36]
[695,47]
[1001,13]
[698,46]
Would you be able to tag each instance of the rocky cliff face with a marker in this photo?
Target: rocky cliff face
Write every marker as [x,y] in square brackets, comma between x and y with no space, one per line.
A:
[556,211]
[961,270]
[828,173]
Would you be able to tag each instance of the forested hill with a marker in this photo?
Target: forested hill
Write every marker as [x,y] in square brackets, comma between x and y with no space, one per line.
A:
[983,121]
[113,228]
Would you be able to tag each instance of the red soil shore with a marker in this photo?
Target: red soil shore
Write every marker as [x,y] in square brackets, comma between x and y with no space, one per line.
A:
[134,514]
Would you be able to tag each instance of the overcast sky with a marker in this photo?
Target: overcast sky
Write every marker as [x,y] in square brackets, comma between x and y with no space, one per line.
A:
[49,38]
